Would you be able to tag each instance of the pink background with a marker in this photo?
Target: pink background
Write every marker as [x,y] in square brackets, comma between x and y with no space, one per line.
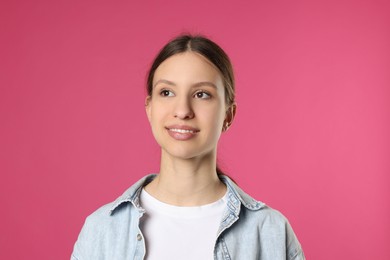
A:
[311,137]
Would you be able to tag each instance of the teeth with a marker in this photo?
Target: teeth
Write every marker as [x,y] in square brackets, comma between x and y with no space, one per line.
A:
[183,131]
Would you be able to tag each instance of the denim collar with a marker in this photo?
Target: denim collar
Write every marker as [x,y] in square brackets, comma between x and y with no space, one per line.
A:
[236,196]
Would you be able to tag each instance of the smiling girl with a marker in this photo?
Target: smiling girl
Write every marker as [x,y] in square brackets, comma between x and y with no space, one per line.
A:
[190,210]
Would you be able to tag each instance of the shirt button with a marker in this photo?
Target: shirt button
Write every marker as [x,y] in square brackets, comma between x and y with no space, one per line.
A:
[139,237]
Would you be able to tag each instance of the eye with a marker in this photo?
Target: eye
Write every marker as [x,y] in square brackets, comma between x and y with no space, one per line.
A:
[202,95]
[166,93]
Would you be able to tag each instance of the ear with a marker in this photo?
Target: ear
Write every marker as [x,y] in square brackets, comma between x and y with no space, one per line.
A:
[148,100]
[230,114]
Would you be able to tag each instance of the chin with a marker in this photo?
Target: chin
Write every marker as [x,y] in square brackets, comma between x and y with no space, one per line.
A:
[180,154]
[185,153]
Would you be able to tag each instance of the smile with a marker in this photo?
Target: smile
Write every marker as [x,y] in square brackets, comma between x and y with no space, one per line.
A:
[183,131]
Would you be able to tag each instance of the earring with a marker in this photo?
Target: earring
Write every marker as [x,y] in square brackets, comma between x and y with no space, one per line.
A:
[225,127]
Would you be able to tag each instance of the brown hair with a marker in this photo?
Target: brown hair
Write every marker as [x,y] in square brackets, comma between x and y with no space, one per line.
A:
[208,49]
[204,47]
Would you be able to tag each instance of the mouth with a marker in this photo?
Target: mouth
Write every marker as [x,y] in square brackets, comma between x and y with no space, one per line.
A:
[182,129]
[182,133]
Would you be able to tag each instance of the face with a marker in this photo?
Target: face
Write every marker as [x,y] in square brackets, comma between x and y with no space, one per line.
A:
[187,108]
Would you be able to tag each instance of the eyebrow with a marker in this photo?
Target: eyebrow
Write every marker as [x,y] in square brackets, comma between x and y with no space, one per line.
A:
[198,84]
[164,81]
[205,83]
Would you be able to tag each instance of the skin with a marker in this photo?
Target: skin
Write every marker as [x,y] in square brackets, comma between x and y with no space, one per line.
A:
[188,92]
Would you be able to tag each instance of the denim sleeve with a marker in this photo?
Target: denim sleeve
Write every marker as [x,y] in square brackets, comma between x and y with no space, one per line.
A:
[73,257]
[294,249]
[87,245]
[76,249]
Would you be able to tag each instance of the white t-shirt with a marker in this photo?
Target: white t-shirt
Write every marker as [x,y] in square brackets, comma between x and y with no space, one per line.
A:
[176,233]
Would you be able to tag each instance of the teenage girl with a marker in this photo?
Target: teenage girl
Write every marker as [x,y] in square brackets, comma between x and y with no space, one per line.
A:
[190,209]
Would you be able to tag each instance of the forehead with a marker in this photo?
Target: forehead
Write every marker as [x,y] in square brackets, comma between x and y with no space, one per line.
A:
[187,66]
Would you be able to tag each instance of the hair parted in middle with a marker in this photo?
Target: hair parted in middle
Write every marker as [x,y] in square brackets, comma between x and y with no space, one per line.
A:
[203,46]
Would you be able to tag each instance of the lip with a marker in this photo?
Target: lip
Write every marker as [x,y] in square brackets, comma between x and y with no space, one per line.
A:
[182,132]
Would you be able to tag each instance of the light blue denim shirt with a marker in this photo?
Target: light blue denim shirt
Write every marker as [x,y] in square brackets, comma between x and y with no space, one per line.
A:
[248,230]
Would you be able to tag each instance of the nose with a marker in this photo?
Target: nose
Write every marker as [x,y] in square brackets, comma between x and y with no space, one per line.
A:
[183,109]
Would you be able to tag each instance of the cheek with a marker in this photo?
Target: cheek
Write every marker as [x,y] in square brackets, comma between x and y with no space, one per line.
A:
[214,116]
[158,113]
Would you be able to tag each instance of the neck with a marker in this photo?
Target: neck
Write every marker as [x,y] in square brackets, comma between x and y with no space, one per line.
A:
[187,182]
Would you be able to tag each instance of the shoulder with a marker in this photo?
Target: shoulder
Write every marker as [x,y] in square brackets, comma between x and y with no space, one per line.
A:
[101,219]
[121,207]
[266,214]
[259,222]
[102,224]
[250,206]
[112,221]
[269,222]
[265,219]
[275,231]
[266,228]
